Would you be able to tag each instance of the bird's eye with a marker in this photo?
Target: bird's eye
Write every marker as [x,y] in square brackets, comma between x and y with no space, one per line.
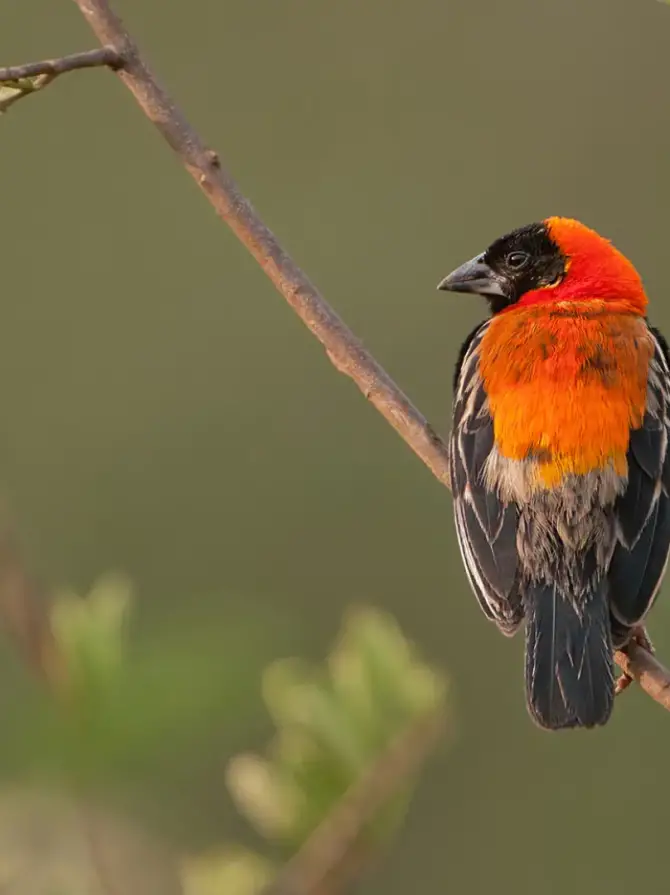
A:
[517,260]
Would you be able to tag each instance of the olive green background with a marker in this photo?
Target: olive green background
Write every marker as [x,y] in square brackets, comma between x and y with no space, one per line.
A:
[164,412]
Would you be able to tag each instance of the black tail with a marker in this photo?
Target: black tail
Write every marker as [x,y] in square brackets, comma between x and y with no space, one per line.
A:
[569,662]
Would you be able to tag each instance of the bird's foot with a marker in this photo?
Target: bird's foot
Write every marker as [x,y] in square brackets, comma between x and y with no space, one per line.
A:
[640,637]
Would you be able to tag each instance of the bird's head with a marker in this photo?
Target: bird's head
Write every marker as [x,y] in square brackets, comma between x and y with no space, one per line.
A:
[555,261]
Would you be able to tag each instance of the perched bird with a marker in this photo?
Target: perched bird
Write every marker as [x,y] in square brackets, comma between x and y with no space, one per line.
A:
[560,467]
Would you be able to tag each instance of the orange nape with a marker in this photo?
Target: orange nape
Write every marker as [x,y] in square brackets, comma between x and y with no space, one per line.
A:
[542,364]
[595,269]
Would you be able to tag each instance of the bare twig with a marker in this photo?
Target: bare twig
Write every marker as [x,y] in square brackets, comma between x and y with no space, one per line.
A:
[638,663]
[322,856]
[343,348]
[19,81]
[640,637]
[54,67]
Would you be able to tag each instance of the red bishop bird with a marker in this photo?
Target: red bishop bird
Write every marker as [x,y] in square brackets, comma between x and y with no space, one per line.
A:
[560,467]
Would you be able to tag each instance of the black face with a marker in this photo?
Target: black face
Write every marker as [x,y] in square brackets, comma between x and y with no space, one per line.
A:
[513,265]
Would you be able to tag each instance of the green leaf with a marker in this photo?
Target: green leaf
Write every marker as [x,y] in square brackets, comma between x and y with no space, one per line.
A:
[134,706]
[266,796]
[332,722]
[90,632]
[13,91]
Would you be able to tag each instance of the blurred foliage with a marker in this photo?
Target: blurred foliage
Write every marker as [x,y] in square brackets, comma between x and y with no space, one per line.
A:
[233,871]
[90,633]
[129,706]
[332,721]
[52,843]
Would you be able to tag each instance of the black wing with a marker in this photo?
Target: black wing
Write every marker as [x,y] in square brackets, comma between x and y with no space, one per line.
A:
[643,510]
[485,525]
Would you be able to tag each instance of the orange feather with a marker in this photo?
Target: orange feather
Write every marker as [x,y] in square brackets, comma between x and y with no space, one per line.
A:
[566,383]
[565,368]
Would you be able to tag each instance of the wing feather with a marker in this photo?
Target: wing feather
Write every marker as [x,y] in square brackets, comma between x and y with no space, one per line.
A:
[485,525]
[643,510]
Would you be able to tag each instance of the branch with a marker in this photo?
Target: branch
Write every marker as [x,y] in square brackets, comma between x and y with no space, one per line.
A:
[643,667]
[19,81]
[54,67]
[345,351]
[328,850]
[343,348]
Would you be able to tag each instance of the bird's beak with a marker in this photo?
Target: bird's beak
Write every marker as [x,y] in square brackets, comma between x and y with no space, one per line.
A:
[474,276]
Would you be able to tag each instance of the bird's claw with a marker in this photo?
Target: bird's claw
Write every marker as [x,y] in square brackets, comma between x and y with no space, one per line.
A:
[640,637]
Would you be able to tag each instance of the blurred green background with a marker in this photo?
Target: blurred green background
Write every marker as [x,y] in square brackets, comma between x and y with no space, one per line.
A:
[164,413]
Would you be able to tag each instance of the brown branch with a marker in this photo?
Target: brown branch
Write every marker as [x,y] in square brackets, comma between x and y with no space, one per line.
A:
[343,348]
[639,664]
[326,853]
[54,67]
[23,615]
[19,81]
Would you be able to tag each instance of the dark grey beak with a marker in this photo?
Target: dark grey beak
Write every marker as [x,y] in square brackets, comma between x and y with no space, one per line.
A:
[474,276]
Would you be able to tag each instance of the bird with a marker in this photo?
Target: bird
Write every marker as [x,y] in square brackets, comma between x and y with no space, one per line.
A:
[559,460]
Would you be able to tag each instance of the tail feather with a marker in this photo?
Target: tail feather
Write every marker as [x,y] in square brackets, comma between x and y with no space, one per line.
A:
[569,661]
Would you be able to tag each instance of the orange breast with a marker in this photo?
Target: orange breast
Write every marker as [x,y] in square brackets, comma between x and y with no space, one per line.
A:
[566,385]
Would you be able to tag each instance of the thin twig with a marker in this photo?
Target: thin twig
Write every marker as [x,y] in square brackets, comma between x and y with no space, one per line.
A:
[20,81]
[343,348]
[337,836]
[105,56]
[22,614]
[643,667]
